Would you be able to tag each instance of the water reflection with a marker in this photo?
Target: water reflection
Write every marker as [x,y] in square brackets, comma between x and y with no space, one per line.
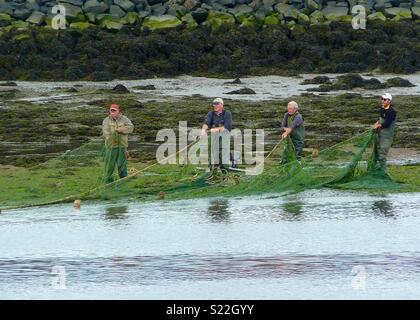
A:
[383,208]
[116,213]
[218,210]
[292,210]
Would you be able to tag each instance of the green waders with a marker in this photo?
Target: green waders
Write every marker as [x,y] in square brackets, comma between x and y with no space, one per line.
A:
[220,149]
[383,142]
[297,137]
[115,156]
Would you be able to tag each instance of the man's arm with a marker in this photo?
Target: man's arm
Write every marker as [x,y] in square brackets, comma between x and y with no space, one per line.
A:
[283,122]
[228,122]
[389,117]
[127,127]
[106,132]
[297,121]
[206,124]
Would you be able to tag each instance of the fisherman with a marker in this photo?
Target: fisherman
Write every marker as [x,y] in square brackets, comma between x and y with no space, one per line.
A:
[116,128]
[292,125]
[384,128]
[219,123]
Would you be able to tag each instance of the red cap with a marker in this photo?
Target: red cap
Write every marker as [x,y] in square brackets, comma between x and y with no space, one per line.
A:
[115,106]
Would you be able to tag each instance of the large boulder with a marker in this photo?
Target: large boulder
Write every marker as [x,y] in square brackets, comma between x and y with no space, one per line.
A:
[288,11]
[21,14]
[37,18]
[78,3]
[130,18]
[95,6]
[72,11]
[5,19]
[81,25]
[271,20]
[241,11]
[200,15]
[177,10]
[116,11]
[317,17]
[5,7]
[312,4]
[190,22]
[335,13]
[161,22]
[216,19]
[376,16]
[403,13]
[126,5]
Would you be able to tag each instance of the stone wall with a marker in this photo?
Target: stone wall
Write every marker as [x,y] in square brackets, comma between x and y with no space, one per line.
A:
[157,14]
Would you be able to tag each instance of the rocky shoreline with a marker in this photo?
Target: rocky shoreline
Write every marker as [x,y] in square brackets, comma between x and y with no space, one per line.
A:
[163,14]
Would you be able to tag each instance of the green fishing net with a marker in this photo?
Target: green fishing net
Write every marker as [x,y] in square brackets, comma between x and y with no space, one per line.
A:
[77,174]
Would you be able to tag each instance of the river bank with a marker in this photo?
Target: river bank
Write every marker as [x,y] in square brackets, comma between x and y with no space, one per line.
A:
[39,54]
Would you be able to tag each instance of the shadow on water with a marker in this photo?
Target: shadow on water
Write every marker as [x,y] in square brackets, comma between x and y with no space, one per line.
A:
[218,210]
[292,210]
[116,213]
[383,208]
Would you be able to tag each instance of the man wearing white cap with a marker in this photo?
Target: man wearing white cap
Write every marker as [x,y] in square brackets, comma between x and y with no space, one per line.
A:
[219,124]
[385,128]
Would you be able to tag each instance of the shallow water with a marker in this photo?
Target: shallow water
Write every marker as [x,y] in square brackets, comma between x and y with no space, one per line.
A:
[265,87]
[320,244]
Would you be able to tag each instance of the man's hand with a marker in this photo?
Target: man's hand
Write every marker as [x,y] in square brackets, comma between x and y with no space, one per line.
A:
[376,126]
[203,132]
[286,132]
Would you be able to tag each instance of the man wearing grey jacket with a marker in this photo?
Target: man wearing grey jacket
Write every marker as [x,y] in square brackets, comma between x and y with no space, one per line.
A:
[292,125]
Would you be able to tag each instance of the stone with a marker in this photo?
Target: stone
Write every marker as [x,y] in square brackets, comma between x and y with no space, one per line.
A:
[78,3]
[313,5]
[334,13]
[242,91]
[216,19]
[130,18]
[94,6]
[159,9]
[177,10]
[37,18]
[398,82]
[200,15]
[116,11]
[288,11]
[81,25]
[303,18]
[5,19]
[72,11]
[376,16]
[145,87]
[161,22]
[228,3]
[402,13]
[189,21]
[126,5]
[153,2]
[271,20]
[119,88]
[241,12]
[21,14]
[191,4]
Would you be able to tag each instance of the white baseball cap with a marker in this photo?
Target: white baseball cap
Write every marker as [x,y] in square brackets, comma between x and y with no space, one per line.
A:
[387,96]
[217,101]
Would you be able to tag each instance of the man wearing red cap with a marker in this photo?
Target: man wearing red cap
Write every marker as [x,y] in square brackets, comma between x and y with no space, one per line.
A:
[116,128]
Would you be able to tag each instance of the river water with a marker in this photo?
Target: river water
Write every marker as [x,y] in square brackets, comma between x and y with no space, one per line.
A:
[319,244]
